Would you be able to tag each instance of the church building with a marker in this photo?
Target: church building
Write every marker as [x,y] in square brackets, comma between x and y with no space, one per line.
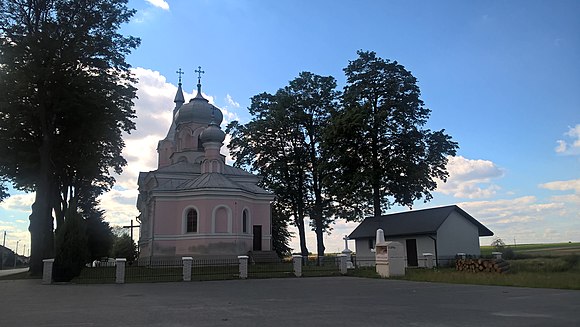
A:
[194,204]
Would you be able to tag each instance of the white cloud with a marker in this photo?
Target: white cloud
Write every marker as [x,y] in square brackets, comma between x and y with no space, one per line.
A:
[470,178]
[159,4]
[570,185]
[561,147]
[527,218]
[119,206]
[571,146]
[231,101]
[19,202]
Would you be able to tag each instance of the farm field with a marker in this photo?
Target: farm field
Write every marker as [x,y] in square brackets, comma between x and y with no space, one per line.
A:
[546,249]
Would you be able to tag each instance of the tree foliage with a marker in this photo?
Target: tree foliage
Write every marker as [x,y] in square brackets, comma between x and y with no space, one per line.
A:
[100,237]
[124,247]
[66,98]
[377,145]
[72,252]
[282,143]
[280,233]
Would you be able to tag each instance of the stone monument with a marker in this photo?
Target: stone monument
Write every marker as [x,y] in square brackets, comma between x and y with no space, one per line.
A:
[347,252]
[390,257]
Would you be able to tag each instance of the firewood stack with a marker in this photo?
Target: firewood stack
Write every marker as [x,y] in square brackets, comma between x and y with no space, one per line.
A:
[482,265]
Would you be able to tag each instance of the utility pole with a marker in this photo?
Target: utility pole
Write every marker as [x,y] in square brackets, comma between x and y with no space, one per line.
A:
[16,253]
[2,252]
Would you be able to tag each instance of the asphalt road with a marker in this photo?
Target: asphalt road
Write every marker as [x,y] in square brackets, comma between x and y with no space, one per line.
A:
[334,301]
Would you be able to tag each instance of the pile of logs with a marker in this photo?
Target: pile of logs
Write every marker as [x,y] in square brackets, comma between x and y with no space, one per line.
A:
[482,265]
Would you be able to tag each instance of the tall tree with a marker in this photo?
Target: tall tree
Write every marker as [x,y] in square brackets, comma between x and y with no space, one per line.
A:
[378,147]
[313,99]
[66,98]
[275,150]
[283,143]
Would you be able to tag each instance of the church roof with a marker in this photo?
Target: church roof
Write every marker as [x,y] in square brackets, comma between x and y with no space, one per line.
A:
[187,176]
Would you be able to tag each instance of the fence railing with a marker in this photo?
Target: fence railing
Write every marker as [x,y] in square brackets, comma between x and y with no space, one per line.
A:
[215,269]
[154,270]
[321,266]
[199,269]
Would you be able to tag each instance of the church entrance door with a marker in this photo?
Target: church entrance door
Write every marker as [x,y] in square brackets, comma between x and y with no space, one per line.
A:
[257,237]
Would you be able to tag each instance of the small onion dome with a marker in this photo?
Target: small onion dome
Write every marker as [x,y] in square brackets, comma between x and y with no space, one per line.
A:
[198,110]
[212,133]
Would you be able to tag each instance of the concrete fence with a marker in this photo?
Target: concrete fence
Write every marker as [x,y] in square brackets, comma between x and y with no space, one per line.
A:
[187,267]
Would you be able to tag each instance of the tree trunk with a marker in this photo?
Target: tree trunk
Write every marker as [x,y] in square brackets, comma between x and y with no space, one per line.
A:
[319,238]
[302,235]
[41,222]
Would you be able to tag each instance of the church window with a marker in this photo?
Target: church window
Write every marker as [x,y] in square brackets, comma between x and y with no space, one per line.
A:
[191,223]
[245,221]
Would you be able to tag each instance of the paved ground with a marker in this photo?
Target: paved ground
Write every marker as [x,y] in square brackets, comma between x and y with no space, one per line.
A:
[337,301]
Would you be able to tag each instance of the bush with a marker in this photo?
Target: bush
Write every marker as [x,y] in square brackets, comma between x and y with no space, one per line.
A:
[124,247]
[71,248]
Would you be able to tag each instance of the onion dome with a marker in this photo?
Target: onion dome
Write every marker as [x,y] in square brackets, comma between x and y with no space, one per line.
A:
[198,110]
[212,133]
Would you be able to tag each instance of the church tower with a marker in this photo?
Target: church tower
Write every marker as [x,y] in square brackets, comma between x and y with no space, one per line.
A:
[194,204]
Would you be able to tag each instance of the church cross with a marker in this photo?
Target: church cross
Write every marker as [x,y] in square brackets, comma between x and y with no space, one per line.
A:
[131,227]
[199,72]
[180,72]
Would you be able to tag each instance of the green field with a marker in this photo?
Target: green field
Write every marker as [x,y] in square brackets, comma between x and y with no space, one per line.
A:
[553,265]
[547,249]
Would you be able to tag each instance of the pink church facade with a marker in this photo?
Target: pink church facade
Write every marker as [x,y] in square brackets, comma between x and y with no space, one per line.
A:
[194,204]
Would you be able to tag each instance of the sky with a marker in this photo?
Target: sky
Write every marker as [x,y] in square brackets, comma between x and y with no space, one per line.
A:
[501,77]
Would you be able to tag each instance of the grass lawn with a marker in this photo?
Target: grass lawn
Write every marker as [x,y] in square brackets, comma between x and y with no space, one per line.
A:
[562,271]
[564,280]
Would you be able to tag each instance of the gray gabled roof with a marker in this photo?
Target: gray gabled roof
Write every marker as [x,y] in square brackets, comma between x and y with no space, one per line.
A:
[415,222]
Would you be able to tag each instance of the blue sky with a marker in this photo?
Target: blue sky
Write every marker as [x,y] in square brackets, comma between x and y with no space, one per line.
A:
[502,77]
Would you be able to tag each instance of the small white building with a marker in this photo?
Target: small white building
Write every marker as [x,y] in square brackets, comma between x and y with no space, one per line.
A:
[443,232]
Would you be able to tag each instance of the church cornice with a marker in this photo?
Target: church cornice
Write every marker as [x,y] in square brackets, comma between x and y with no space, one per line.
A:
[209,194]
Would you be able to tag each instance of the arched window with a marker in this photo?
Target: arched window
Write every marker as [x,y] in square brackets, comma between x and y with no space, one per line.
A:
[245,221]
[191,222]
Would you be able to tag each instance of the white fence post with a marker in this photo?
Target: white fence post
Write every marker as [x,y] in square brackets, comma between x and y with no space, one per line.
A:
[496,255]
[120,273]
[297,261]
[428,260]
[187,263]
[462,255]
[243,266]
[343,267]
[47,271]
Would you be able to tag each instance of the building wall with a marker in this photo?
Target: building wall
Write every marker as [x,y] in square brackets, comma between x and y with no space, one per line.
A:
[364,255]
[455,235]
[219,230]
